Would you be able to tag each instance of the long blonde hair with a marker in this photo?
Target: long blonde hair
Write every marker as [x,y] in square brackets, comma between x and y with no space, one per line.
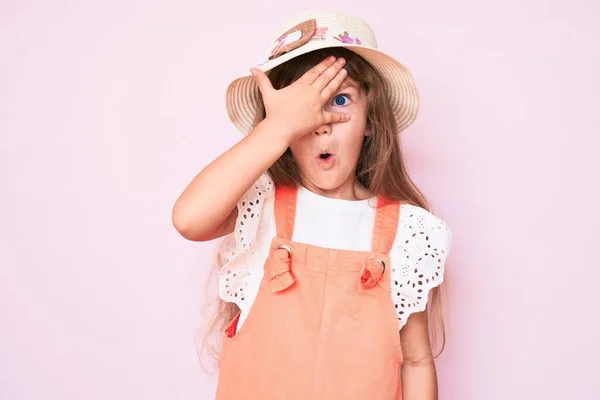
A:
[380,168]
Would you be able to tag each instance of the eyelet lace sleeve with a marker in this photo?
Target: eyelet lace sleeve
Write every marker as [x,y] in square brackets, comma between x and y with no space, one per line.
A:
[236,249]
[418,259]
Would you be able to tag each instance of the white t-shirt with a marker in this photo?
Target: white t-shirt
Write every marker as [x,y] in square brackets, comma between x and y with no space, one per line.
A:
[417,258]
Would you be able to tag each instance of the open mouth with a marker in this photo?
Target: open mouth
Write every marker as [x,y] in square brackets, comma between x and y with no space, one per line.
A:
[326,161]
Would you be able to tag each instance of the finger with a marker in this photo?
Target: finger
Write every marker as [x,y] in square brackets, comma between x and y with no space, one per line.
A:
[336,117]
[263,81]
[334,84]
[323,80]
[312,74]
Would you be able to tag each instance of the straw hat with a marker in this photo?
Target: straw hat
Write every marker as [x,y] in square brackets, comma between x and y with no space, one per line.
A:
[317,29]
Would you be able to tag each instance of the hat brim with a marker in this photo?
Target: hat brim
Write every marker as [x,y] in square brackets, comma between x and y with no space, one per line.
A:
[242,94]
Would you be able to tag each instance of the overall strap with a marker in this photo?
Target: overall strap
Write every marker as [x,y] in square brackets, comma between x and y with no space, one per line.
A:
[386,225]
[285,210]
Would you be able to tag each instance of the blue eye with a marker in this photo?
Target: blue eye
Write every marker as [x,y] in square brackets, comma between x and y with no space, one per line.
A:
[339,100]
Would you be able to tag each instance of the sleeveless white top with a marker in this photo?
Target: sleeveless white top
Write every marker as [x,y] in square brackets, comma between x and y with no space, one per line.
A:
[417,258]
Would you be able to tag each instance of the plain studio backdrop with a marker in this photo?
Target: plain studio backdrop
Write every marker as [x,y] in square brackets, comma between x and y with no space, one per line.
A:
[109,108]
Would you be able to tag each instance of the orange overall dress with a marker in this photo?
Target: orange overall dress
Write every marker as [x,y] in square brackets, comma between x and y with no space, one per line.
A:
[322,326]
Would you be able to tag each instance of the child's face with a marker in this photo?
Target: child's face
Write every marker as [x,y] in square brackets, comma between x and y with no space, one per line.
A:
[327,157]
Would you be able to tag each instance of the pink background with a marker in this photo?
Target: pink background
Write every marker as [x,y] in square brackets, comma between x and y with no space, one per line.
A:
[108,109]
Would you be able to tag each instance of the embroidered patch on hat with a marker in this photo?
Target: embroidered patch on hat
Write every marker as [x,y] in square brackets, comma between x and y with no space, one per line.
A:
[320,33]
[346,38]
[295,37]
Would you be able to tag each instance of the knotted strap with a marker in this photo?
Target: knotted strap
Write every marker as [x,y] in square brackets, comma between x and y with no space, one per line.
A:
[384,233]
[278,267]
[279,263]
[372,272]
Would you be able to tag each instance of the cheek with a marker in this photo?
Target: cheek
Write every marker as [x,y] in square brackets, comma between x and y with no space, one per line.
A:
[354,144]
[300,149]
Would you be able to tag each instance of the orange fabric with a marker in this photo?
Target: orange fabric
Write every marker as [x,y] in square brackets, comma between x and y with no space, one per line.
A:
[323,324]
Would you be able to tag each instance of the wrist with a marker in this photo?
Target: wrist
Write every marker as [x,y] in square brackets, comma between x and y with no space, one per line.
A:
[277,131]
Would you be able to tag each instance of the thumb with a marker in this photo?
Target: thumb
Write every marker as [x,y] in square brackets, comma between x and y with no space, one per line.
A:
[262,80]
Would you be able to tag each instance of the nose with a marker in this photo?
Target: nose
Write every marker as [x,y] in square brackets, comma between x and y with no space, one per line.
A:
[323,130]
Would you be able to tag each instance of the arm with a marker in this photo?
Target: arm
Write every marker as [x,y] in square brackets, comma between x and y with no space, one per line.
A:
[207,207]
[419,378]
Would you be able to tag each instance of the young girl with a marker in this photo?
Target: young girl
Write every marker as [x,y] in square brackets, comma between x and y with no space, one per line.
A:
[330,254]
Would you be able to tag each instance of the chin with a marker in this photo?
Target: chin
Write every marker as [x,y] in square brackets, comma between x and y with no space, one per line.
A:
[326,183]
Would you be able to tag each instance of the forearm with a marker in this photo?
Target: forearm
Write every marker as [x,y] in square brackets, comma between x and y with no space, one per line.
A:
[211,196]
[419,380]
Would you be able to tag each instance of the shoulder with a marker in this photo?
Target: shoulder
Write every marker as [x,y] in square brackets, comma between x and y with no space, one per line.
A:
[250,210]
[241,253]
[418,223]
[263,188]
[418,259]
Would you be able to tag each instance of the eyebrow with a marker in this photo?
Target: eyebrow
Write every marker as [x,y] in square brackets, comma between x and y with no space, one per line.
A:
[348,83]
